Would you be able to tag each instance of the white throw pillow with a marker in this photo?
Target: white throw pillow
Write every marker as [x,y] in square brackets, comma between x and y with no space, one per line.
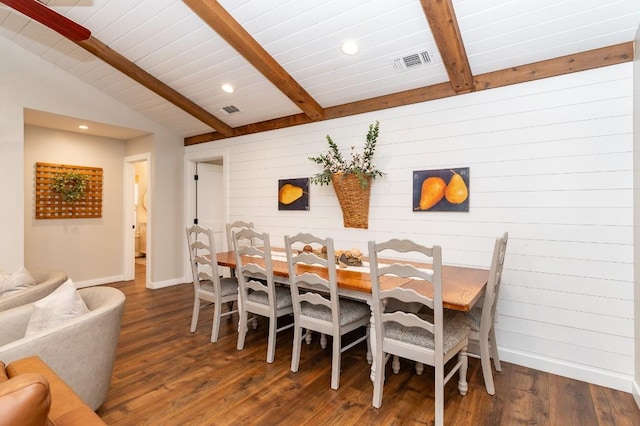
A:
[13,283]
[64,304]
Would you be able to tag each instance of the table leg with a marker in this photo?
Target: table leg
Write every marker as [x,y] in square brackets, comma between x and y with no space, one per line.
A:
[372,342]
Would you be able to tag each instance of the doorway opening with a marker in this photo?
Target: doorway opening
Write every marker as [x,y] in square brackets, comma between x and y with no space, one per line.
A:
[141,198]
[205,200]
[137,192]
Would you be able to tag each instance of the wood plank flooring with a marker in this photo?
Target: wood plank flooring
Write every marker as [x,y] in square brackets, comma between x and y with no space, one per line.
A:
[165,375]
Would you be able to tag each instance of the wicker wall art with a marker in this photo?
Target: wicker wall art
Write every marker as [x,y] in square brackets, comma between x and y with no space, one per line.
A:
[67,192]
[353,199]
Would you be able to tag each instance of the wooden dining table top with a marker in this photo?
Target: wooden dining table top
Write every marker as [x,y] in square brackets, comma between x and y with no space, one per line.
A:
[461,286]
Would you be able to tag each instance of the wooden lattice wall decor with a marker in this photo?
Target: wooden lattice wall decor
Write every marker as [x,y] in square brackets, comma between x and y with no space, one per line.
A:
[50,203]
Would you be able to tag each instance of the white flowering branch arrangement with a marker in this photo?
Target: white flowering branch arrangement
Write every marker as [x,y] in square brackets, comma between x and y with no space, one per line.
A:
[361,164]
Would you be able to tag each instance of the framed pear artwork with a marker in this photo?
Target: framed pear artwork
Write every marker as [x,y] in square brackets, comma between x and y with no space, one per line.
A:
[441,190]
[293,194]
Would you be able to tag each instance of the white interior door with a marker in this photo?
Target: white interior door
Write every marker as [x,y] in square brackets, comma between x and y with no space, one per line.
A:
[210,205]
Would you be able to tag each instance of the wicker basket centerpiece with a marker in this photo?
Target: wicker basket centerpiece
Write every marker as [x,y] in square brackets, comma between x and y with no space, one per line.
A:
[351,180]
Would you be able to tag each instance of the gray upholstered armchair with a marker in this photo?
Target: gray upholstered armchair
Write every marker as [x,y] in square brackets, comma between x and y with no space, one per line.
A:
[81,351]
[47,281]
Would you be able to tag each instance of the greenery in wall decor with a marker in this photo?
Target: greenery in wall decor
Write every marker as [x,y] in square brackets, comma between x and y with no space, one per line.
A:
[361,164]
[70,185]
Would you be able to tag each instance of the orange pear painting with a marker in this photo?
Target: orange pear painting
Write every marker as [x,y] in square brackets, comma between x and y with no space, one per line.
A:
[443,190]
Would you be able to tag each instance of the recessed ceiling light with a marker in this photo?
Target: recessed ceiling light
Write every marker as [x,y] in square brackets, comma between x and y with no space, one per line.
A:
[227,88]
[83,127]
[350,47]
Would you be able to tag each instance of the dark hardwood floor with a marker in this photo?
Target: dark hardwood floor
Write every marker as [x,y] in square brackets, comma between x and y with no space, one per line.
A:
[165,375]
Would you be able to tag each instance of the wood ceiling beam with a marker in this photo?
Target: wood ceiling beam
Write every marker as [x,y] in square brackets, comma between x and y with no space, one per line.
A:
[445,30]
[211,12]
[611,55]
[130,69]
[616,54]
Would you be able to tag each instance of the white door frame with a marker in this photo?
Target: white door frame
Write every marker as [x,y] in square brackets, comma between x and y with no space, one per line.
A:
[190,160]
[129,220]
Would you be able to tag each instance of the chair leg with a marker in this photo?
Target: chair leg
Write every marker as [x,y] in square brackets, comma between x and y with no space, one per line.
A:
[323,341]
[463,359]
[369,357]
[335,362]
[378,381]
[271,344]
[297,342]
[217,315]
[419,368]
[230,306]
[485,360]
[242,330]
[439,400]
[196,313]
[494,350]
[395,364]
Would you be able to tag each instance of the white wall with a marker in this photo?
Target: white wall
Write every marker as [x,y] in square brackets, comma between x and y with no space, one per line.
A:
[636,205]
[550,162]
[29,82]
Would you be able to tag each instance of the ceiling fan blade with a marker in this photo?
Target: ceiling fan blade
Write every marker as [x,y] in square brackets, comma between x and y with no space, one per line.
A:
[41,13]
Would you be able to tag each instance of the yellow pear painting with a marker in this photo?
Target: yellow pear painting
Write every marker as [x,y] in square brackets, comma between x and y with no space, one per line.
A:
[445,190]
[293,194]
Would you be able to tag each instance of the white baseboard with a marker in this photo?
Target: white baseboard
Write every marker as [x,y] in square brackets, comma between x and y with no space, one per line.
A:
[99,281]
[118,278]
[166,283]
[583,373]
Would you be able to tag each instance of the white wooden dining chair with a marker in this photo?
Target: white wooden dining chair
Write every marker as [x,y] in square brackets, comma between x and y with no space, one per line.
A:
[316,304]
[259,294]
[408,333]
[207,283]
[236,226]
[481,318]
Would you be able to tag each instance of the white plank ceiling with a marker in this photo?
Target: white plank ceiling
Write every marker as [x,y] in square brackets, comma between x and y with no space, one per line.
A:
[169,41]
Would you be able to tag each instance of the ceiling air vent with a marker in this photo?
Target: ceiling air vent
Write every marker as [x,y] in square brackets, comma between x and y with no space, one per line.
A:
[230,109]
[413,60]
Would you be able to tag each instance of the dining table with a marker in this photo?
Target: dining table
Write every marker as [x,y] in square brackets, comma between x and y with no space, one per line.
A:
[461,286]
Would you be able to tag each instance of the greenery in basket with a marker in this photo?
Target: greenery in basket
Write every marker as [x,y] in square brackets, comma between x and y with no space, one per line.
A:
[70,185]
[361,164]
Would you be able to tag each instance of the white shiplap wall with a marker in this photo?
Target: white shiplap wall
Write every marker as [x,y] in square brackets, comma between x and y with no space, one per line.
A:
[550,162]
[636,217]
